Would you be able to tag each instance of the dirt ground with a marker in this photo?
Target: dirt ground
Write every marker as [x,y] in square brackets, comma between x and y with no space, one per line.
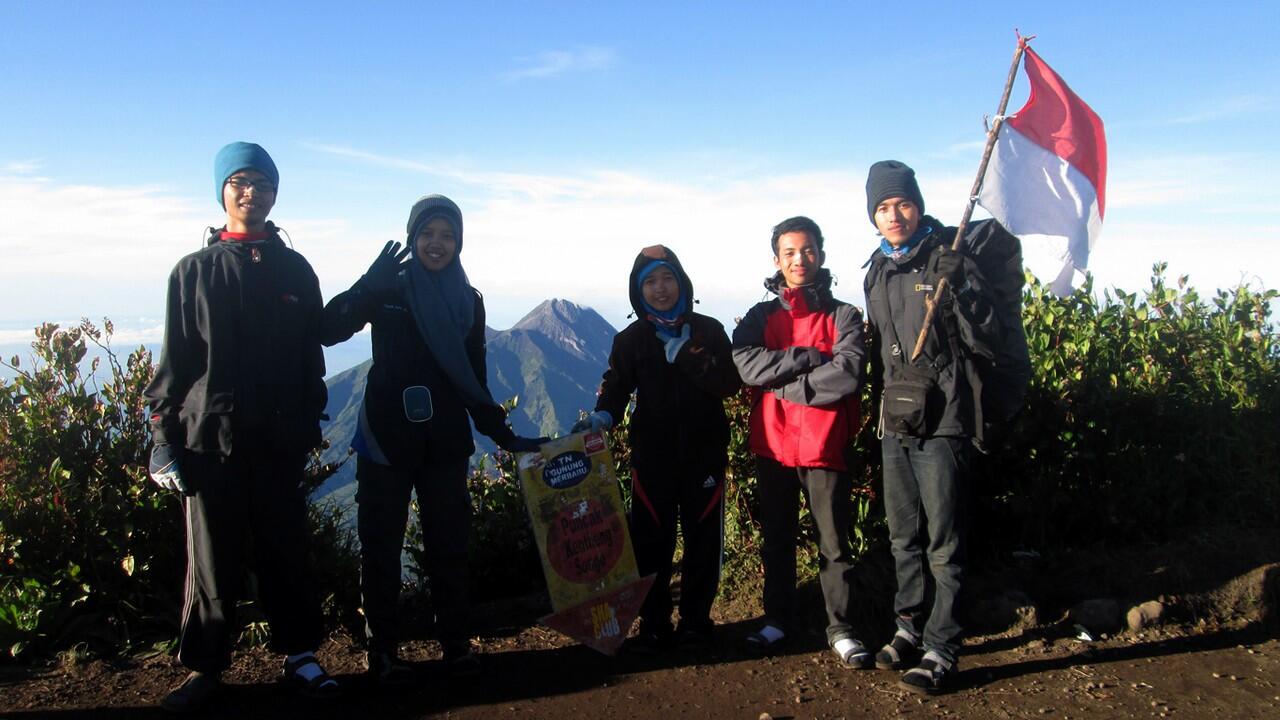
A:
[1216,655]
[1218,672]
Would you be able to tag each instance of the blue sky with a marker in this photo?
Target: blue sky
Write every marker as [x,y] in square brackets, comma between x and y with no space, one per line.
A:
[573,134]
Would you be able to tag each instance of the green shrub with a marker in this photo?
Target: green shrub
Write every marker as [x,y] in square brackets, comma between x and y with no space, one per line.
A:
[1147,417]
[91,551]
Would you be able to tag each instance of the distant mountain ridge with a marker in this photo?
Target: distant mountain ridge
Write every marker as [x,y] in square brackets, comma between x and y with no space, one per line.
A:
[552,360]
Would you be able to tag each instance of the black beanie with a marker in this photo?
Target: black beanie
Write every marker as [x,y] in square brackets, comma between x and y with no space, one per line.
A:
[888,179]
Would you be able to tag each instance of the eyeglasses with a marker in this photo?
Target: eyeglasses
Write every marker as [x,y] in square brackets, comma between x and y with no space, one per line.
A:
[240,184]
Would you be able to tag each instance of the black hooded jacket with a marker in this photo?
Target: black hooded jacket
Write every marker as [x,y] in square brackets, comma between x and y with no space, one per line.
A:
[241,349]
[679,414]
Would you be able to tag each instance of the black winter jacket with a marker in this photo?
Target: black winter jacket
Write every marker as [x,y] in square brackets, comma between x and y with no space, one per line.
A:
[679,414]
[895,291]
[241,350]
[401,359]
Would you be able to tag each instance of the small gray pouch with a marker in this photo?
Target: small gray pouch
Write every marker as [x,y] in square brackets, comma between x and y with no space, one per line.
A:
[417,403]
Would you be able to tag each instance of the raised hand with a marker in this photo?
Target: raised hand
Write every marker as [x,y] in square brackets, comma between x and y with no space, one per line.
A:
[381,276]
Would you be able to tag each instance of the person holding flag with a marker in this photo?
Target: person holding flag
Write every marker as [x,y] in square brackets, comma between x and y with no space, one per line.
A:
[928,415]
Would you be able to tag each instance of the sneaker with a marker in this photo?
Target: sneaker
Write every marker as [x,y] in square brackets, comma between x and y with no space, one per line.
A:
[852,653]
[900,652]
[461,661]
[305,675]
[934,675]
[387,670]
[193,693]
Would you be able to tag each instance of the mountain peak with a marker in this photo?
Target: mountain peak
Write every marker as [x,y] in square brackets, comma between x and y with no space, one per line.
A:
[572,326]
[554,310]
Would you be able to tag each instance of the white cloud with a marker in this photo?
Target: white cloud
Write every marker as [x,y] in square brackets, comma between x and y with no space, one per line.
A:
[72,250]
[79,250]
[971,148]
[1225,109]
[558,62]
[21,167]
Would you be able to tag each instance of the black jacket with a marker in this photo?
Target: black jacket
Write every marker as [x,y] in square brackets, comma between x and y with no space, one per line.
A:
[679,414]
[241,349]
[401,359]
[965,324]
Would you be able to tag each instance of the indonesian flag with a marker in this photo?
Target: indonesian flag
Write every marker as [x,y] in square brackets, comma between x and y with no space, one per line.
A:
[1048,173]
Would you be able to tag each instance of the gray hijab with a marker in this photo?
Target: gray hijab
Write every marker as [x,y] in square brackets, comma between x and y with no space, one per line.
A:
[443,303]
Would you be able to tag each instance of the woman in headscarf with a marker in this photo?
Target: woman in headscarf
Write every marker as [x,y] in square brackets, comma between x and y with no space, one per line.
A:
[428,375]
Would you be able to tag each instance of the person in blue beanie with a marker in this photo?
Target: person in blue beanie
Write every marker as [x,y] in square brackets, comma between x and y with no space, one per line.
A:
[235,408]
[427,383]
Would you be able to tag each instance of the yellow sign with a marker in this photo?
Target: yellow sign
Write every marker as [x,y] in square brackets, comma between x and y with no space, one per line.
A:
[580,526]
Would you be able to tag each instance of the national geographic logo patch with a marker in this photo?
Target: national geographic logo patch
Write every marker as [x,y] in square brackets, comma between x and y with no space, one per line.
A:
[923,287]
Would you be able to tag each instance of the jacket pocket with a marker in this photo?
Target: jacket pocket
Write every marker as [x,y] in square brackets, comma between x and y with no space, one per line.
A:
[208,423]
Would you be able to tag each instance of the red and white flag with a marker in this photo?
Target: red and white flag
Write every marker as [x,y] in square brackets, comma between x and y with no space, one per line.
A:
[1048,172]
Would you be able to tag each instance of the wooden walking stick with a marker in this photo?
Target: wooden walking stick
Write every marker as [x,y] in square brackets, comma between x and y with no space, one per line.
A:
[931,303]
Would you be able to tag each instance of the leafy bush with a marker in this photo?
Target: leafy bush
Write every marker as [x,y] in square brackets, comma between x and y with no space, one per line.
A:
[90,550]
[1147,416]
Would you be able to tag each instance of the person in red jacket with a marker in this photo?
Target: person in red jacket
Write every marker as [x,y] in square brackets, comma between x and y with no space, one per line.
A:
[801,354]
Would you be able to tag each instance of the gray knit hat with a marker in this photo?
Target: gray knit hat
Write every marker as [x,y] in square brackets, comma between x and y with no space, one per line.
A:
[888,179]
[433,206]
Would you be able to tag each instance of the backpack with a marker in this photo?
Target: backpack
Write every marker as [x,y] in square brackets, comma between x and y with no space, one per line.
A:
[1000,382]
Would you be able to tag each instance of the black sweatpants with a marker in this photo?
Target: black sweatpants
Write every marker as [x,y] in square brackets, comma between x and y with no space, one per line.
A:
[251,498]
[696,498]
[829,494]
[445,513]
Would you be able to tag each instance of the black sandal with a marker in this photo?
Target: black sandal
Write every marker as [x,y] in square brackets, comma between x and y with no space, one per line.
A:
[320,687]
[759,642]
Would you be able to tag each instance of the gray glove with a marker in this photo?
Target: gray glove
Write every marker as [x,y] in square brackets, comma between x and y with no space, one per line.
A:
[164,469]
[672,345]
[597,421]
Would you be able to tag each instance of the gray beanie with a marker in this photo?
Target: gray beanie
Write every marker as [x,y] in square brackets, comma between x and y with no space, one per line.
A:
[889,179]
[434,206]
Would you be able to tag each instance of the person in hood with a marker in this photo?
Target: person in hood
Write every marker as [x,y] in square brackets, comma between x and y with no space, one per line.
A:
[926,417]
[428,381]
[678,366]
[235,407]
[801,355]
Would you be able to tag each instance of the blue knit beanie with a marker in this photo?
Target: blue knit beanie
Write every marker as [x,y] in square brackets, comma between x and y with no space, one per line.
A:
[241,156]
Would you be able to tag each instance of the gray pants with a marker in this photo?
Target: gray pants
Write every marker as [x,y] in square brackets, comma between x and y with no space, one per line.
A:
[828,493]
[925,488]
[382,493]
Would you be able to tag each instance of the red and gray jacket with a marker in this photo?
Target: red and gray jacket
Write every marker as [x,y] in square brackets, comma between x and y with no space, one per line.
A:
[802,356]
